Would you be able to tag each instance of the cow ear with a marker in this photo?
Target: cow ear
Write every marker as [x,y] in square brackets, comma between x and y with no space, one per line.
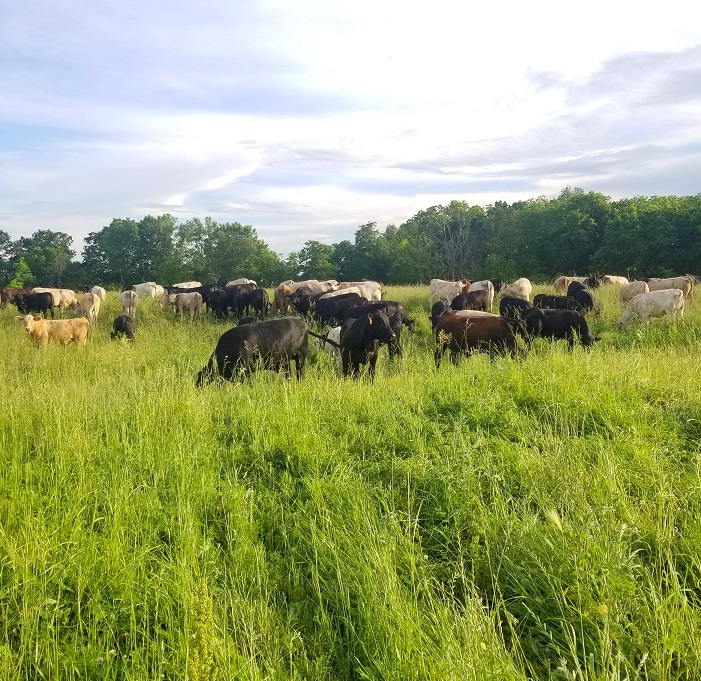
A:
[37,318]
[19,319]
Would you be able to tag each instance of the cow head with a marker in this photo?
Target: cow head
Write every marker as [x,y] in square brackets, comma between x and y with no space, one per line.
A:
[28,321]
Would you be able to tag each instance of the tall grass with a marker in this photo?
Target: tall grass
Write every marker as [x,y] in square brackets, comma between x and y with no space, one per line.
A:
[494,520]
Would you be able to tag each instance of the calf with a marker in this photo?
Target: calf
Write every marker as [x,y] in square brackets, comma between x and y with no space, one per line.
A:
[466,334]
[361,340]
[188,302]
[123,327]
[568,325]
[269,345]
[63,331]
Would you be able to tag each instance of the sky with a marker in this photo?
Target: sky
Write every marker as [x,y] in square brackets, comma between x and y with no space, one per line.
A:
[308,119]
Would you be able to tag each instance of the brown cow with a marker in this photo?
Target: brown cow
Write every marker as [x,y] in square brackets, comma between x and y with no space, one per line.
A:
[493,335]
[472,300]
[7,295]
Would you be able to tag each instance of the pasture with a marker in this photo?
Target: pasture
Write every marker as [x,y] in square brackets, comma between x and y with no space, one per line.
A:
[492,520]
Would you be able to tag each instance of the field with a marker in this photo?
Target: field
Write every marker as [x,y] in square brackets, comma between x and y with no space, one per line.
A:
[495,520]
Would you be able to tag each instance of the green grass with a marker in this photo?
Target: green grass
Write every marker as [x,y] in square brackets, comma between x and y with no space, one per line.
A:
[495,520]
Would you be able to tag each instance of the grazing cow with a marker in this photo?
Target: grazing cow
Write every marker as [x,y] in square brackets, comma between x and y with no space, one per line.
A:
[188,302]
[484,285]
[685,284]
[560,285]
[695,278]
[568,325]
[35,302]
[439,289]
[389,307]
[575,286]
[468,334]
[548,302]
[438,309]
[592,281]
[521,288]
[332,348]
[129,300]
[480,299]
[270,345]
[653,304]
[361,340]
[334,309]
[513,308]
[634,288]
[63,331]
[585,300]
[259,301]
[219,303]
[612,280]
[89,305]
[99,292]
[123,327]
[145,290]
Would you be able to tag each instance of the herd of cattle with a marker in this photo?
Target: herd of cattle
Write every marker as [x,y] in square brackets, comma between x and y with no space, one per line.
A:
[361,322]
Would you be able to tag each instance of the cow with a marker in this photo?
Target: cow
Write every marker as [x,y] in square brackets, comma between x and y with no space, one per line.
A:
[270,345]
[548,302]
[248,319]
[219,303]
[560,285]
[372,290]
[575,286]
[188,302]
[63,331]
[238,297]
[521,288]
[585,300]
[145,290]
[474,300]
[89,305]
[281,297]
[332,346]
[484,285]
[498,284]
[389,307]
[468,334]
[613,280]
[334,309]
[186,284]
[63,297]
[438,309]
[568,325]
[439,289]
[653,304]
[99,292]
[7,295]
[592,281]
[123,326]
[513,308]
[685,284]
[35,302]
[242,280]
[129,300]
[259,301]
[634,288]
[361,340]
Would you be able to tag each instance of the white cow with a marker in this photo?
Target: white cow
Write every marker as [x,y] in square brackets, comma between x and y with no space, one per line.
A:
[167,300]
[158,292]
[373,287]
[653,304]
[63,297]
[191,302]
[145,290]
[612,279]
[685,284]
[440,289]
[99,292]
[187,284]
[242,280]
[129,300]
[484,285]
[89,305]
[561,284]
[363,293]
[521,288]
[331,350]
[632,289]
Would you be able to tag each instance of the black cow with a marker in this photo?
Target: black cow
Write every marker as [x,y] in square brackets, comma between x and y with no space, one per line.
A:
[592,281]
[575,286]
[559,325]
[513,307]
[238,297]
[389,307]
[329,310]
[123,326]
[395,348]
[438,309]
[246,320]
[471,300]
[269,345]
[585,300]
[259,301]
[35,302]
[361,340]
[545,301]
[498,284]
[219,303]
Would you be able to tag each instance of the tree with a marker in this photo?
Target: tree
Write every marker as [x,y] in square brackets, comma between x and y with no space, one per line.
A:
[22,276]
[111,256]
[316,261]
[47,253]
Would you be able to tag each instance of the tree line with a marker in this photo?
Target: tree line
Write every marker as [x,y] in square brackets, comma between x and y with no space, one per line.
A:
[575,233]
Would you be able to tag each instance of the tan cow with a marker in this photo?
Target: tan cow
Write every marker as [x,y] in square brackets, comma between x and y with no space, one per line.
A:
[281,298]
[63,331]
[634,288]
[685,284]
[561,284]
[653,304]
[89,305]
[612,279]
[129,300]
[188,302]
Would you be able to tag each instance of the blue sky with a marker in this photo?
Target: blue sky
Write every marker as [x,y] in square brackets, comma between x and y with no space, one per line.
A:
[309,119]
